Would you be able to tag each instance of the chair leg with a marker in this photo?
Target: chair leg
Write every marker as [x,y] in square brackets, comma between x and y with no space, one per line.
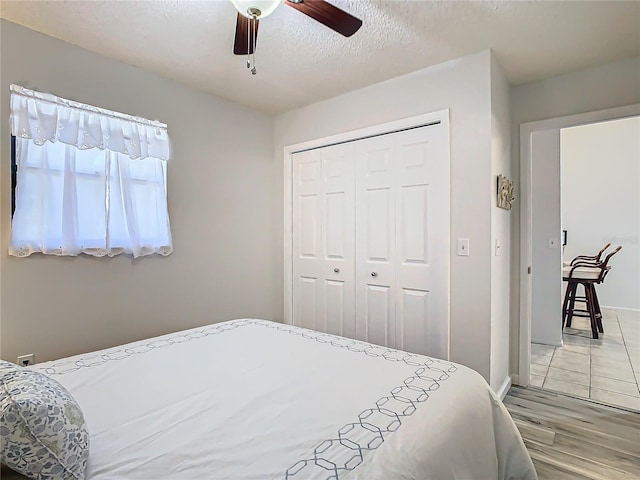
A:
[573,286]
[591,308]
[597,308]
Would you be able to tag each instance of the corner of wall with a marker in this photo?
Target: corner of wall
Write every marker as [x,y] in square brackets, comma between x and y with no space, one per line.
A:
[500,251]
[504,387]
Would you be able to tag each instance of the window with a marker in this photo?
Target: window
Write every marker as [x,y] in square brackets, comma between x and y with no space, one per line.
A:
[88,180]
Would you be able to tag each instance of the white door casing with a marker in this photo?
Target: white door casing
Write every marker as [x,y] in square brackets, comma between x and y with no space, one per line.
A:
[527,266]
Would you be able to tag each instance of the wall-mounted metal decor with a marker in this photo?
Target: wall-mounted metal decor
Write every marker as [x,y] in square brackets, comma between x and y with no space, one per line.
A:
[506,192]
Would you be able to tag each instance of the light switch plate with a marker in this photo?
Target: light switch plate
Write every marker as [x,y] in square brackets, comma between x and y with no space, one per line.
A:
[463,247]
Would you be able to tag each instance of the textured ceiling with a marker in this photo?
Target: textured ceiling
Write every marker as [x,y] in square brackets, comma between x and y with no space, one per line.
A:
[300,61]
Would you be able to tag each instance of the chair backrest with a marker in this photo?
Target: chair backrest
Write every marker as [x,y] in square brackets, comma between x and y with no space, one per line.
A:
[603,266]
[603,249]
[606,261]
[594,258]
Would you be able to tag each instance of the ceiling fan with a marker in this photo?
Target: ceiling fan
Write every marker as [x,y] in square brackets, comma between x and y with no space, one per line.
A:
[250,12]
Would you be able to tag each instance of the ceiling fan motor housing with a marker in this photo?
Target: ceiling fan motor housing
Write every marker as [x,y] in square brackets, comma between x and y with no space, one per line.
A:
[256,8]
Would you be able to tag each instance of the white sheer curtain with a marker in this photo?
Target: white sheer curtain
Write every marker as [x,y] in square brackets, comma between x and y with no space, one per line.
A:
[89,180]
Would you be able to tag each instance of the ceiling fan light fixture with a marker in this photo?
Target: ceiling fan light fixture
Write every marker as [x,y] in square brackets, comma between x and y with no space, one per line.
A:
[256,8]
[250,12]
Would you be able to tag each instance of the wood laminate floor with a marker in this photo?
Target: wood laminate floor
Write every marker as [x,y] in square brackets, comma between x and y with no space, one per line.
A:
[572,438]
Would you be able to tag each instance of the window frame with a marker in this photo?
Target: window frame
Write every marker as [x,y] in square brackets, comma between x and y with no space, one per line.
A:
[14,174]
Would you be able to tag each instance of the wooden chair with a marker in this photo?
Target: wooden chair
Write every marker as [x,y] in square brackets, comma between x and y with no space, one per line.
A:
[587,273]
[583,259]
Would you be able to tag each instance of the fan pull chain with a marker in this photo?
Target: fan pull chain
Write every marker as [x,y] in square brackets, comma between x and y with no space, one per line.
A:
[252,34]
[249,43]
[255,40]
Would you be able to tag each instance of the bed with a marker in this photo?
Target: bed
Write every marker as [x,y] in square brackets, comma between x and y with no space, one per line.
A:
[253,399]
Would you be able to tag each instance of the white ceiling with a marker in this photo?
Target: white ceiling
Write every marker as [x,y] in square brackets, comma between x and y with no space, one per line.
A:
[300,61]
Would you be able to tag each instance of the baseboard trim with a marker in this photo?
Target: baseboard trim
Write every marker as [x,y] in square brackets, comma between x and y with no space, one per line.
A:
[620,308]
[504,388]
[515,379]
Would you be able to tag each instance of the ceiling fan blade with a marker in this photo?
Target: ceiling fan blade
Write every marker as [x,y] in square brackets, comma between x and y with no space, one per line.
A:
[325,13]
[241,46]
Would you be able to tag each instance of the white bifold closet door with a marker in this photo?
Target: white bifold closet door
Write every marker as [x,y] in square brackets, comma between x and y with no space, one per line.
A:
[371,240]
[323,240]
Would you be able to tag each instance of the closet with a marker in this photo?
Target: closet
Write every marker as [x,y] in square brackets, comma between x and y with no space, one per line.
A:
[370,239]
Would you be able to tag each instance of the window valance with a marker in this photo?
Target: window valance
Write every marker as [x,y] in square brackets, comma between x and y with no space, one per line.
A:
[47,118]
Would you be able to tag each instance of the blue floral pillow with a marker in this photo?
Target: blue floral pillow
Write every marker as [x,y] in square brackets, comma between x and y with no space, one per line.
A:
[42,429]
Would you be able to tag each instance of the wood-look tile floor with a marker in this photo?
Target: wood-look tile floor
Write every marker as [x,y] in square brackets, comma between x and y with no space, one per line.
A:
[572,438]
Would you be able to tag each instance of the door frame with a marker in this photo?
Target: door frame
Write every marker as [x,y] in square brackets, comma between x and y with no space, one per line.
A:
[526,132]
[440,116]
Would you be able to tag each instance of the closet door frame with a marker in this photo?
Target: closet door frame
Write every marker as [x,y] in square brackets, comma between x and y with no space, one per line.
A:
[441,117]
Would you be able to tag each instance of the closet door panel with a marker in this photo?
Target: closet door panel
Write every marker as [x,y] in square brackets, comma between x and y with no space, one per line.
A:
[413,319]
[375,241]
[308,284]
[338,239]
[307,291]
[422,236]
[309,247]
[413,220]
[378,303]
[335,235]
[379,229]
[334,307]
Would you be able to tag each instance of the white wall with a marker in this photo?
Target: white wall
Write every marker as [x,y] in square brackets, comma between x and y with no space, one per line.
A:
[220,204]
[606,86]
[463,86]
[600,171]
[500,227]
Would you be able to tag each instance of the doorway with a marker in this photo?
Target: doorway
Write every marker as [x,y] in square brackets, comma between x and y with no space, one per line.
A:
[570,361]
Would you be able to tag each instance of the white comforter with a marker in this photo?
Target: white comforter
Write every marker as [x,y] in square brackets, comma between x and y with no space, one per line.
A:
[252,399]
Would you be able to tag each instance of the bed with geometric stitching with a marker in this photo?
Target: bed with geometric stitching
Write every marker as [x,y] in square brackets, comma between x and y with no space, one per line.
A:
[255,400]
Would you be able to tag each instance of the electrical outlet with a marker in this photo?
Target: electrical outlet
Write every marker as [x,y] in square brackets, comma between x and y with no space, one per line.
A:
[24,360]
